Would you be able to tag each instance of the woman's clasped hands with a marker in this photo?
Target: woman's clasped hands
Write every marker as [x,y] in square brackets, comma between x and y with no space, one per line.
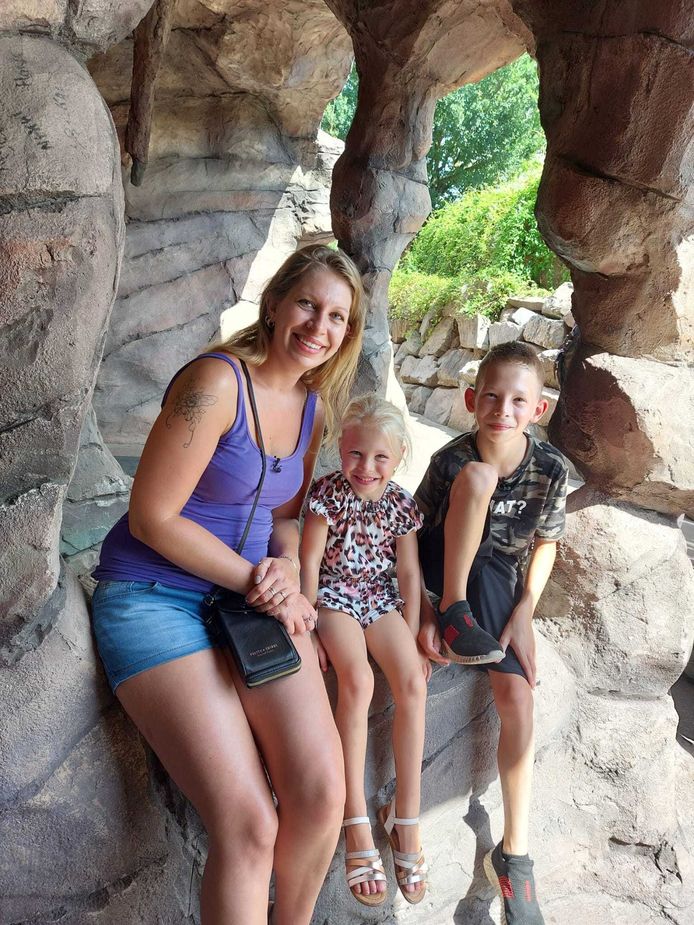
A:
[276,591]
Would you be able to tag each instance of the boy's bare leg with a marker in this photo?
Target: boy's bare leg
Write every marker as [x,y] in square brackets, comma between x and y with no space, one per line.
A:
[515,756]
[470,495]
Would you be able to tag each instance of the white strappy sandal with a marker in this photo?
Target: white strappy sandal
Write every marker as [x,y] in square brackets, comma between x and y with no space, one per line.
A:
[364,873]
[409,867]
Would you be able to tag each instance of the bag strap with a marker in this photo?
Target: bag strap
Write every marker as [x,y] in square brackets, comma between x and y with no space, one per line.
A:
[263,461]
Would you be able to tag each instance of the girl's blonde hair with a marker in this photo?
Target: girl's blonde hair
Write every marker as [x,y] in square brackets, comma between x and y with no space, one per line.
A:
[369,409]
[334,378]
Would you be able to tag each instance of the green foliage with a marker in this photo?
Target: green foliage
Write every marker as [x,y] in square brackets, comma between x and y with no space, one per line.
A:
[339,112]
[485,132]
[412,294]
[488,232]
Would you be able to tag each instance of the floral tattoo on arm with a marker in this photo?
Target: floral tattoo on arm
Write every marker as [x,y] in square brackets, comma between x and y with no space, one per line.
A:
[191,405]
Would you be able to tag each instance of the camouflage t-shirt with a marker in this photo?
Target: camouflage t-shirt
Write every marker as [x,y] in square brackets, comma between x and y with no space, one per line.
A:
[530,502]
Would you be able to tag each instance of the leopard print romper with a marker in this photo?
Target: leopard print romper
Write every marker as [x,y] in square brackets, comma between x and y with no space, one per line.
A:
[356,571]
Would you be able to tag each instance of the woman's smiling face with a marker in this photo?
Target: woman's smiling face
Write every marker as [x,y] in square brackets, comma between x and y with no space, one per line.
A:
[312,319]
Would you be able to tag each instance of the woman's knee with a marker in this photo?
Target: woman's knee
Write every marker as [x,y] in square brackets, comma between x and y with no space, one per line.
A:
[242,824]
[318,792]
[475,478]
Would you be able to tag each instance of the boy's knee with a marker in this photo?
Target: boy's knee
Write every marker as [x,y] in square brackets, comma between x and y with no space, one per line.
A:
[514,699]
[475,478]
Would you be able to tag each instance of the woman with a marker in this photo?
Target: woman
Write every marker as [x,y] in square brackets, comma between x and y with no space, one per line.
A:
[190,500]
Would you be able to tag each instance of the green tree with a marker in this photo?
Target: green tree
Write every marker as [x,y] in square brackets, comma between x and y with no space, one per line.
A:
[339,112]
[485,132]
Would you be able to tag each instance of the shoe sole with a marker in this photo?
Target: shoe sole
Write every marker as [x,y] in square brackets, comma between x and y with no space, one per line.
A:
[493,878]
[490,658]
[418,895]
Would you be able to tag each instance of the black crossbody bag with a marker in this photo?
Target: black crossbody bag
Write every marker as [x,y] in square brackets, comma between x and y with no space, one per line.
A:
[260,645]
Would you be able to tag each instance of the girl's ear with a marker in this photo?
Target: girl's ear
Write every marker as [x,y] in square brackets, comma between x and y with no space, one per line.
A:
[470,399]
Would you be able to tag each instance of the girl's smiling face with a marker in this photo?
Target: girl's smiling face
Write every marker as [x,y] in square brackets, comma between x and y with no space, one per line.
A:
[369,459]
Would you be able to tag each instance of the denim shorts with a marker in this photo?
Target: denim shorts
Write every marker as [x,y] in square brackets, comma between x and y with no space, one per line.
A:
[140,624]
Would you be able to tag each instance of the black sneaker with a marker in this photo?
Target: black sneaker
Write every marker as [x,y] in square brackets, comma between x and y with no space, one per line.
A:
[511,875]
[463,639]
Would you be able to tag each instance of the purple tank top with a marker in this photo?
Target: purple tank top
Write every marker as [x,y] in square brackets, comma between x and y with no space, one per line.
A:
[220,502]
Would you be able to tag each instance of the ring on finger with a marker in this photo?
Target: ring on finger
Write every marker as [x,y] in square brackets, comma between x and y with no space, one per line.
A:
[272,591]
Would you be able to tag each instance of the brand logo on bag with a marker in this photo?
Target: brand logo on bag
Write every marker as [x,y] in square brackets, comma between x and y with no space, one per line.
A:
[264,651]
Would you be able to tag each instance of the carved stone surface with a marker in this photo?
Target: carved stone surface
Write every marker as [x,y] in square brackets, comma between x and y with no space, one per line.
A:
[61,232]
[89,25]
[501,332]
[451,364]
[473,331]
[628,426]
[440,338]
[236,178]
[547,332]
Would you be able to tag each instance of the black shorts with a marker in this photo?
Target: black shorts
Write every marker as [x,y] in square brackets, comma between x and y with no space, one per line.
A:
[495,587]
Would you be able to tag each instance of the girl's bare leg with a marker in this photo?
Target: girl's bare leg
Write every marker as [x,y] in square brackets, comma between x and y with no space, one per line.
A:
[343,639]
[293,725]
[190,713]
[391,643]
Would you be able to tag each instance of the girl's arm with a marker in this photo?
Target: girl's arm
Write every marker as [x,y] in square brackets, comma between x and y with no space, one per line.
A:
[407,555]
[313,540]
[199,409]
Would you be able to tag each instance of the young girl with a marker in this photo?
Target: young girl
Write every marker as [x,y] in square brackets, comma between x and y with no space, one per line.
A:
[358,524]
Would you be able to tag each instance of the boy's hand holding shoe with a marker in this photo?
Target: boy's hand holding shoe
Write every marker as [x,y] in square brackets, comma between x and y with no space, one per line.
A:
[429,638]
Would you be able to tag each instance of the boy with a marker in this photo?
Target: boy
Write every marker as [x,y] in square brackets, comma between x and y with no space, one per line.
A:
[487,498]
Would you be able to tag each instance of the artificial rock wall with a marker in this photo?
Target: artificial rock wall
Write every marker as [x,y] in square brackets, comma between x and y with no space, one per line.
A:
[91,827]
[237,178]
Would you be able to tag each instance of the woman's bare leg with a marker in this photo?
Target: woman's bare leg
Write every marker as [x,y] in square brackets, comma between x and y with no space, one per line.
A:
[392,644]
[343,639]
[190,713]
[293,725]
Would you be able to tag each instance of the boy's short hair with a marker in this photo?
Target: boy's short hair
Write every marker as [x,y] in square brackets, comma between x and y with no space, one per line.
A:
[514,351]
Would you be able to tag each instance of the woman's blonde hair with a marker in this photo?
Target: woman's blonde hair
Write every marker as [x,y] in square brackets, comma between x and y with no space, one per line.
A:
[334,378]
[369,409]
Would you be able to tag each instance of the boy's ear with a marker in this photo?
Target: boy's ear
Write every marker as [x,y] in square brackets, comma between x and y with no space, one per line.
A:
[540,408]
[470,399]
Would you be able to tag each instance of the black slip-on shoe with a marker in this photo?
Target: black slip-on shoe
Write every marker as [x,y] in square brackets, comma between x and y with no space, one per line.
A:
[511,875]
[463,639]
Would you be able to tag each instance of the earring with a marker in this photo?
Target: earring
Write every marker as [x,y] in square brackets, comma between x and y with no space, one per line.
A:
[269,321]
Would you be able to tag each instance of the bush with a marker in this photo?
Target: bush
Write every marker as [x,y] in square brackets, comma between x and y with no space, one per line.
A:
[411,294]
[488,233]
